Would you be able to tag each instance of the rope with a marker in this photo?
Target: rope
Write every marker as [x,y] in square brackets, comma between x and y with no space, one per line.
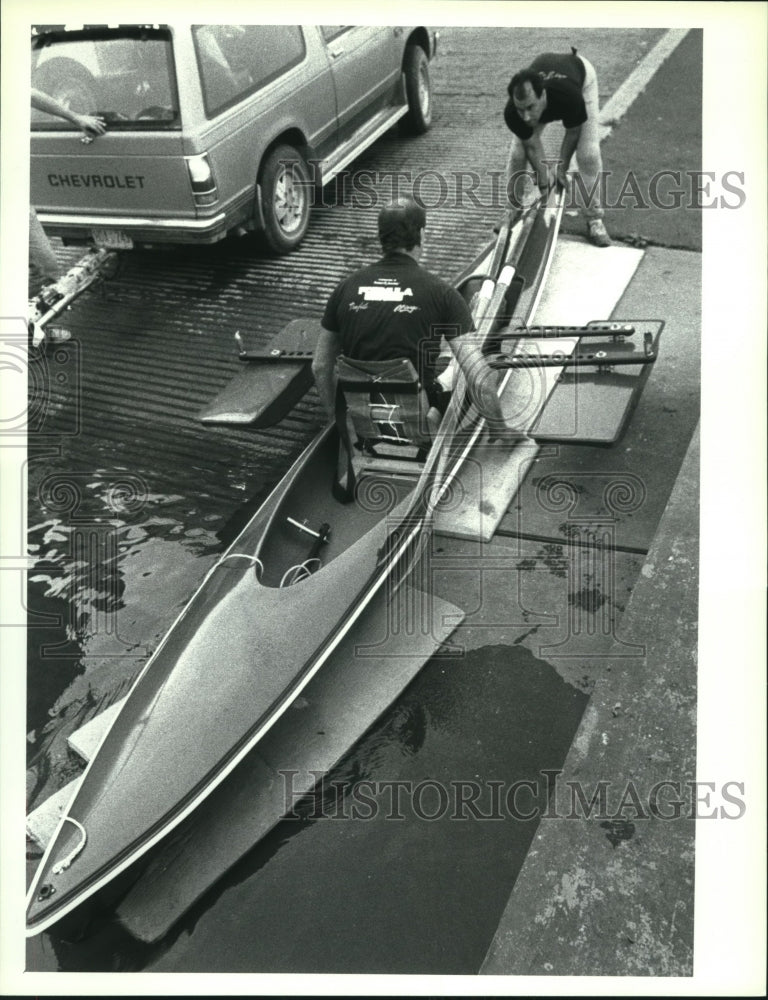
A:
[300,568]
[63,865]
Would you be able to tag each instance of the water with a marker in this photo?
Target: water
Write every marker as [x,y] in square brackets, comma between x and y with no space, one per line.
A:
[117,555]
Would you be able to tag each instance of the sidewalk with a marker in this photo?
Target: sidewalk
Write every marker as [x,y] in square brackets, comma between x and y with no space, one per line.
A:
[613,894]
[661,131]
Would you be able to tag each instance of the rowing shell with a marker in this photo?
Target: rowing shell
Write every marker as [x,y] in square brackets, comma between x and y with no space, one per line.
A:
[264,622]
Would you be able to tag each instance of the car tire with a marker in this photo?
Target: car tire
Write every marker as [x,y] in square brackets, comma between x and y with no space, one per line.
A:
[285,198]
[69,83]
[418,90]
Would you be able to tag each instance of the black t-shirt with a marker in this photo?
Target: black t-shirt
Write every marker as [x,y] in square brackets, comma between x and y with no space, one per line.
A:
[396,309]
[563,76]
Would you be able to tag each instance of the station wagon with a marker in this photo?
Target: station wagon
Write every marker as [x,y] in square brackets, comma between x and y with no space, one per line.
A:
[213,129]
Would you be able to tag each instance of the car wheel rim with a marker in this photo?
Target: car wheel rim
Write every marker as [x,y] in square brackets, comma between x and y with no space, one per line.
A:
[289,201]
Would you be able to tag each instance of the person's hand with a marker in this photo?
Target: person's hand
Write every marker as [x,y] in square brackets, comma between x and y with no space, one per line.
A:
[557,177]
[91,125]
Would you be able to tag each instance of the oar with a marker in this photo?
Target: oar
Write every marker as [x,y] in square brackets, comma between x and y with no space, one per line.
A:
[502,243]
[487,319]
[552,214]
[489,274]
[553,217]
[425,500]
[551,209]
[508,271]
[487,302]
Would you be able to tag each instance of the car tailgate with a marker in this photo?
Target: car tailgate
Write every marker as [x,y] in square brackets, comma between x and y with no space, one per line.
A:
[108,177]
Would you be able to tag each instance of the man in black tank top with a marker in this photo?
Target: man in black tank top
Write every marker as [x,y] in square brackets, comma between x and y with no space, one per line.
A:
[558,87]
[394,308]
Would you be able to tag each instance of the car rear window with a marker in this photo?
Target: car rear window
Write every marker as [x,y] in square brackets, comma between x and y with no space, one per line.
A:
[237,59]
[124,74]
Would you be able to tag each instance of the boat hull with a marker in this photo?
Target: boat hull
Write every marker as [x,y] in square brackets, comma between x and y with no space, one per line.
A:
[220,680]
[263,623]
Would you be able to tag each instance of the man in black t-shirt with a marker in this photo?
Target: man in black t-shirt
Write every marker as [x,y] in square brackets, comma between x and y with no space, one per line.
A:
[558,87]
[394,308]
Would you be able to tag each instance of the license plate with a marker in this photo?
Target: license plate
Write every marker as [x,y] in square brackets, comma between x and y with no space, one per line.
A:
[112,239]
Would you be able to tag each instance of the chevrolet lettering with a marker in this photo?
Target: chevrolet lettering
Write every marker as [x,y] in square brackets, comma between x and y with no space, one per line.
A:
[95,181]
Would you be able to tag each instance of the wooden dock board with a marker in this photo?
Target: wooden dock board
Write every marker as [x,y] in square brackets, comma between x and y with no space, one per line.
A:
[483,490]
[542,401]
[43,820]
[587,407]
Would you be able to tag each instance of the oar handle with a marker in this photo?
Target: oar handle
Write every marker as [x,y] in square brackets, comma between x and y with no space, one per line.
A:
[515,248]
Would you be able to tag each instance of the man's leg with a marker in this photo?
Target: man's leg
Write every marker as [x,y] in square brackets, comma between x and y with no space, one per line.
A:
[43,266]
[590,159]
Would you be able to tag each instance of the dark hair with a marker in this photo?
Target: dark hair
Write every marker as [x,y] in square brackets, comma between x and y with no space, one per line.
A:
[519,80]
[400,224]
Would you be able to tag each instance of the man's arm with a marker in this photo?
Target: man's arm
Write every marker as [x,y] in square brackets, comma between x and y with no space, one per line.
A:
[567,149]
[324,368]
[482,382]
[531,151]
[90,124]
[523,152]
[534,154]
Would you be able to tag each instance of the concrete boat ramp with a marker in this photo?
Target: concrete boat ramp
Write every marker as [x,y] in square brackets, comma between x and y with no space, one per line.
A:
[619,622]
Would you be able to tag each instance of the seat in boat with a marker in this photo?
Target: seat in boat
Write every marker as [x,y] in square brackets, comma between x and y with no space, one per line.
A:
[386,407]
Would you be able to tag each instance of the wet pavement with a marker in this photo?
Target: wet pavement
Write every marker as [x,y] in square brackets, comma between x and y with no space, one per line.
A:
[131,499]
[613,888]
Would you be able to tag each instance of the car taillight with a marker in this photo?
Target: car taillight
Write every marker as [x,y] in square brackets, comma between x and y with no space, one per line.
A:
[201,178]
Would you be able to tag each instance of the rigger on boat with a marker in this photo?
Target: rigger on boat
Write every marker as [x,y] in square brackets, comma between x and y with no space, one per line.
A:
[336,542]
